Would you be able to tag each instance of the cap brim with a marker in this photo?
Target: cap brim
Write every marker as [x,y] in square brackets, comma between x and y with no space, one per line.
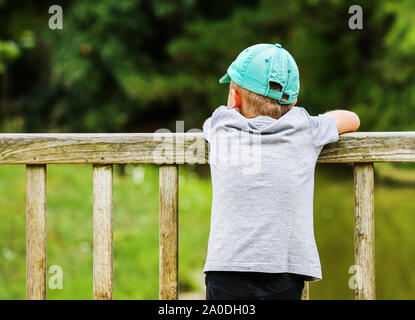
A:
[225,79]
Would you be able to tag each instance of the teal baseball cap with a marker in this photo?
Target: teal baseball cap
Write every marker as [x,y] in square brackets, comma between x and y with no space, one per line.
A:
[260,65]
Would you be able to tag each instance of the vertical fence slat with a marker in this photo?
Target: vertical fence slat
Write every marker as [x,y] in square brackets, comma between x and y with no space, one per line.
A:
[306,291]
[168,237]
[35,232]
[103,232]
[364,231]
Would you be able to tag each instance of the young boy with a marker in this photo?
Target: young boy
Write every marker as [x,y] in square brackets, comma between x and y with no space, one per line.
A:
[263,152]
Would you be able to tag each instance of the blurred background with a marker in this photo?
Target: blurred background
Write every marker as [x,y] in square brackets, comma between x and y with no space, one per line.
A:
[140,65]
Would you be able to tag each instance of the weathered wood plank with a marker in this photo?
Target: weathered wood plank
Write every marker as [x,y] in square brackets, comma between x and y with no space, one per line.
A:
[36,232]
[364,231]
[103,232]
[371,147]
[155,148]
[306,291]
[169,148]
[168,237]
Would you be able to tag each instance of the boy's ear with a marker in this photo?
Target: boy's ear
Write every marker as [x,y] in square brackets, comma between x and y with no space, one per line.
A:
[237,99]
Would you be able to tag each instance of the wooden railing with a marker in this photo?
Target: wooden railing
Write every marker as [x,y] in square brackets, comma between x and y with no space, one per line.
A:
[169,150]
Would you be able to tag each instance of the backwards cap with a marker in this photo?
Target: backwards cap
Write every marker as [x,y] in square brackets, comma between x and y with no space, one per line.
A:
[258,66]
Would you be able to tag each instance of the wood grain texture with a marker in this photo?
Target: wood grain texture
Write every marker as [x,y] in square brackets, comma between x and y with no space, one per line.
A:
[364,231]
[35,232]
[306,291]
[103,232]
[371,147]
[170,148]
[168,237]
[155,148]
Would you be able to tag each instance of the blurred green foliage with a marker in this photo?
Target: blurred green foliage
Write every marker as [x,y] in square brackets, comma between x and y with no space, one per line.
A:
[69,237]
[138,65]
[8,52]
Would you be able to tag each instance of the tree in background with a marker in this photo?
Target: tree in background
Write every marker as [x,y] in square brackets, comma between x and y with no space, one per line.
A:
[138,65]
[370,71]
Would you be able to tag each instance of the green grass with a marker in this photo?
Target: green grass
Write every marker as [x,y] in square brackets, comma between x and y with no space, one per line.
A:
[69,224]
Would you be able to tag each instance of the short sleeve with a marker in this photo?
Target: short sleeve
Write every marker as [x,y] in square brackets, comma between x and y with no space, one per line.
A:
[206,128]
[324,129]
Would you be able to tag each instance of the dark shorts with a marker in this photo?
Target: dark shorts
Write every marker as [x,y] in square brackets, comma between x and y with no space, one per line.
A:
[229,285]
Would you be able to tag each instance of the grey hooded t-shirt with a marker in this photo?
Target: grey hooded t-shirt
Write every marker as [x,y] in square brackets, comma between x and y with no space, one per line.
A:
[262,190]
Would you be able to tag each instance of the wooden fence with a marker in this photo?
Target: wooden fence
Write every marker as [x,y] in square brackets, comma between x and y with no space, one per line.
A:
[168,151]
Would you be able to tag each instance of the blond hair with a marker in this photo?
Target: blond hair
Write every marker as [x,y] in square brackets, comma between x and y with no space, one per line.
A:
[257,105]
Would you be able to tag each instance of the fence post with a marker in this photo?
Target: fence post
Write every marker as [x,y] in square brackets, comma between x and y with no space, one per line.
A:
[36,232]
[306,291]
[103,232]
[364,233]
[168,233]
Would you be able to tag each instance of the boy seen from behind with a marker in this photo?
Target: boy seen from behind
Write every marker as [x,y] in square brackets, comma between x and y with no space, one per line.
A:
[263,152]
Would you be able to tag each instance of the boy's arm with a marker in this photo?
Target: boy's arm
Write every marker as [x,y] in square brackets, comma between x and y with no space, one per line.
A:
[346,121]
